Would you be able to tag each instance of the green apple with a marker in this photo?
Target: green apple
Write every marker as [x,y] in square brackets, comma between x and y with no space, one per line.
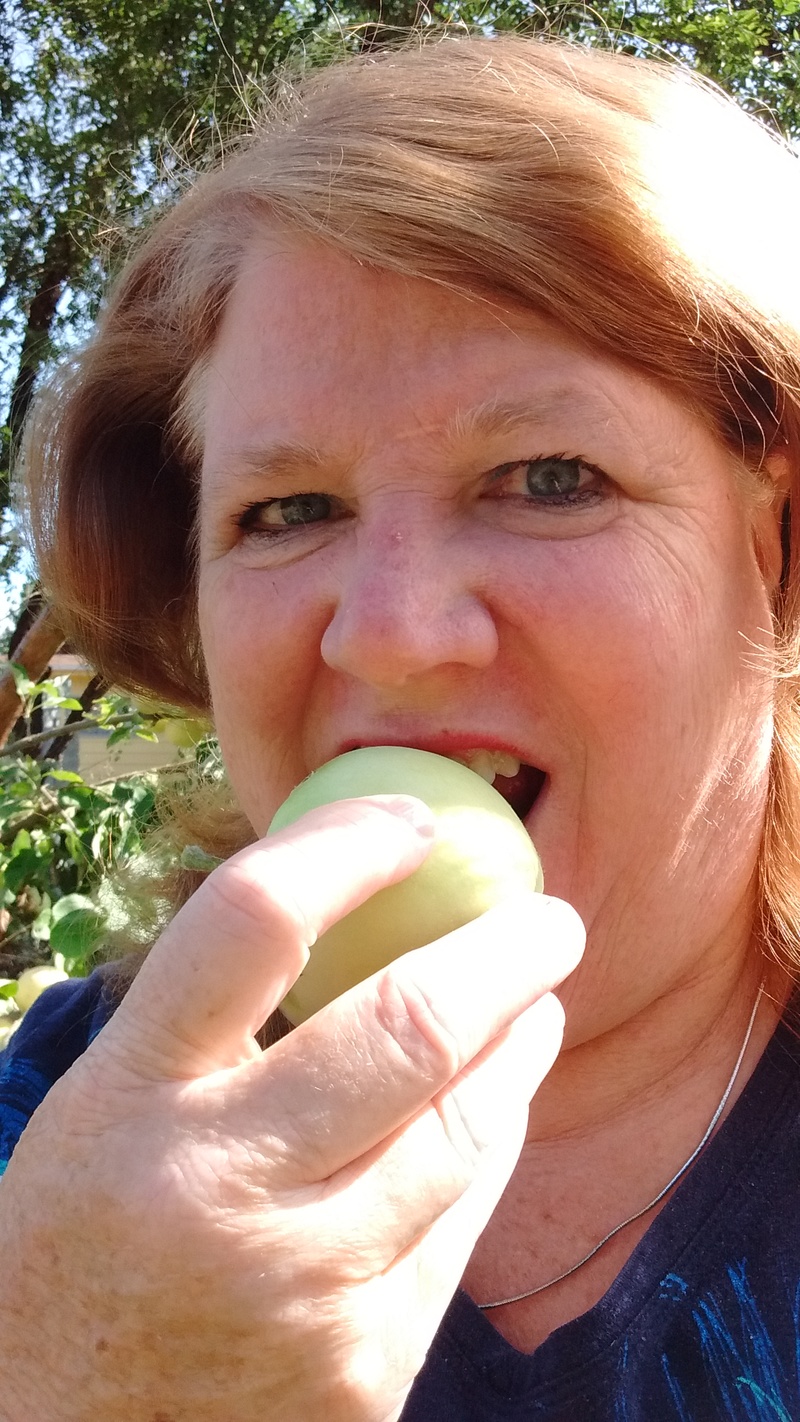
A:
[183,731]
[32,983]
[7,1030]
[481,854]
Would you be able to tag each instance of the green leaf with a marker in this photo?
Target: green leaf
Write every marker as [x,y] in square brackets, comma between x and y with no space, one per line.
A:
[120,733]
[42,924]
[9,989]
[72,903]
[25,687]
[73,846]
[70,776]
[54,696]
[18,792]
[76,934]
[22,869]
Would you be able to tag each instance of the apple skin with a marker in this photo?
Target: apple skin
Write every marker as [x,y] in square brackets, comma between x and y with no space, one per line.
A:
[481,854]
[183,732]
[32,983]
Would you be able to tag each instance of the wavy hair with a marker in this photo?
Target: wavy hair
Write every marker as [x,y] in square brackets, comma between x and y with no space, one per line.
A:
[625,199]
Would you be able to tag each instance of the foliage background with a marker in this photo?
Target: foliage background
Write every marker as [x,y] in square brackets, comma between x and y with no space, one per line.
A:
[98,98]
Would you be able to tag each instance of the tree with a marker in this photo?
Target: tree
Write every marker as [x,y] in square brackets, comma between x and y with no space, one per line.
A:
[97,99]
[752,50]
[62,838]
[92,97]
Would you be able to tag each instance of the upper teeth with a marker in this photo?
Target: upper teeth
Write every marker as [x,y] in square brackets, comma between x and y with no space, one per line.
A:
[488,763]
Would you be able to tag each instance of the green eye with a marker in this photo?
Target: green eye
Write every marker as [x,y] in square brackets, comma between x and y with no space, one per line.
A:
[303,508]
[552,481]
[274,517]
[550,478]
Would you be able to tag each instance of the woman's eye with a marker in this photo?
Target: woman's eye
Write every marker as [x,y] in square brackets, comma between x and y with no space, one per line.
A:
[553,480]
[295,511]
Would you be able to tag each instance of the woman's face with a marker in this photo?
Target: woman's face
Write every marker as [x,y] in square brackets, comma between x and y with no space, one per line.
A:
[431,522]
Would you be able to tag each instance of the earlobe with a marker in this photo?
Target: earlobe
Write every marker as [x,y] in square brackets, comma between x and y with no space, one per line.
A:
[771,522]
[786,540]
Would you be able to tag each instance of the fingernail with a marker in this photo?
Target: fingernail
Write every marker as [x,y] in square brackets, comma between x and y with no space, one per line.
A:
[414,811]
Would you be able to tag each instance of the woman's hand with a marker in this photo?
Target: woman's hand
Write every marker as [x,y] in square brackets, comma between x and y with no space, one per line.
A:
[192,1230]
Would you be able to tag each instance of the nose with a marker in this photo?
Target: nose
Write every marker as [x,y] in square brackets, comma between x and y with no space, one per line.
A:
[408,604]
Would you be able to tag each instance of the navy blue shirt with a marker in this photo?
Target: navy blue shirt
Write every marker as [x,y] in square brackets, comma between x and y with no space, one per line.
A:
[702,1323]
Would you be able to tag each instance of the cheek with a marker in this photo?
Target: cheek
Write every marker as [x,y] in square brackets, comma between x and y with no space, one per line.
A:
[641,650]
[638,606]
[645,637]
[261,638]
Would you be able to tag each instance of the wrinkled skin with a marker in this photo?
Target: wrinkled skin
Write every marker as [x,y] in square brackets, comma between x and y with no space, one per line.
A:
[192,1229]
[218,1234]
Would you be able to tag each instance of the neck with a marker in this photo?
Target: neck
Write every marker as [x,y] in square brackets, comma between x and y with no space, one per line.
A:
[596,1169]
[626,1104]
[684,1040]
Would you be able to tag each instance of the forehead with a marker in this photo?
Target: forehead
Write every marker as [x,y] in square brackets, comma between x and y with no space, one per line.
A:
[313,344]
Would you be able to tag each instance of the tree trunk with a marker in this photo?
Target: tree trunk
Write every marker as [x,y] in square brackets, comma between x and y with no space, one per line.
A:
[53,276]
[394,17]
[228,36]
[34,654]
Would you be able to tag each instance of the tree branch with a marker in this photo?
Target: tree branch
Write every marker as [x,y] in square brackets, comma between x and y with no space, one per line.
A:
[34,654]
[64,735]
[89,723]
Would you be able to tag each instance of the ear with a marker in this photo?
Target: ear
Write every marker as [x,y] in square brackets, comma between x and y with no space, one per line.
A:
[771,520]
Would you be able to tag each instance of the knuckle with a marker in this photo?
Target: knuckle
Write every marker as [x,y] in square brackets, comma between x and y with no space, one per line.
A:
[465,1141]
[248,903]
[409,1019]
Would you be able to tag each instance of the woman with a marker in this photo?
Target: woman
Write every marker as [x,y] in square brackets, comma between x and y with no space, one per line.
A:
[458,410]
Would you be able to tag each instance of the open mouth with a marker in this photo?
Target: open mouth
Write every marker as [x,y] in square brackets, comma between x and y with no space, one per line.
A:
[518,783]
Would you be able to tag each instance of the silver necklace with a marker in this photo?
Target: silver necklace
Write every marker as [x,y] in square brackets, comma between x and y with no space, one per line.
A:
[529,1293]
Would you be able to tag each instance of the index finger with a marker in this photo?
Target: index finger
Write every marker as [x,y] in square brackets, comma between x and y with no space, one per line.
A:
[230,956]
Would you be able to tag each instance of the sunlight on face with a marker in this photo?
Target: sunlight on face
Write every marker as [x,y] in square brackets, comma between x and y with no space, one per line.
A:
[430,522]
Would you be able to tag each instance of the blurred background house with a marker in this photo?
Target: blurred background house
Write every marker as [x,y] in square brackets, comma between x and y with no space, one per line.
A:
[87,752]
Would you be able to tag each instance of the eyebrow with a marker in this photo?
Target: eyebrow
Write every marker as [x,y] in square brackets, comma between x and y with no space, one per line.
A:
[499,417]
[282,458]
[290,459]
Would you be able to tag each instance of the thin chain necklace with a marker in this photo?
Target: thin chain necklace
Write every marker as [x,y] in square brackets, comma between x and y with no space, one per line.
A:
[529,1293]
